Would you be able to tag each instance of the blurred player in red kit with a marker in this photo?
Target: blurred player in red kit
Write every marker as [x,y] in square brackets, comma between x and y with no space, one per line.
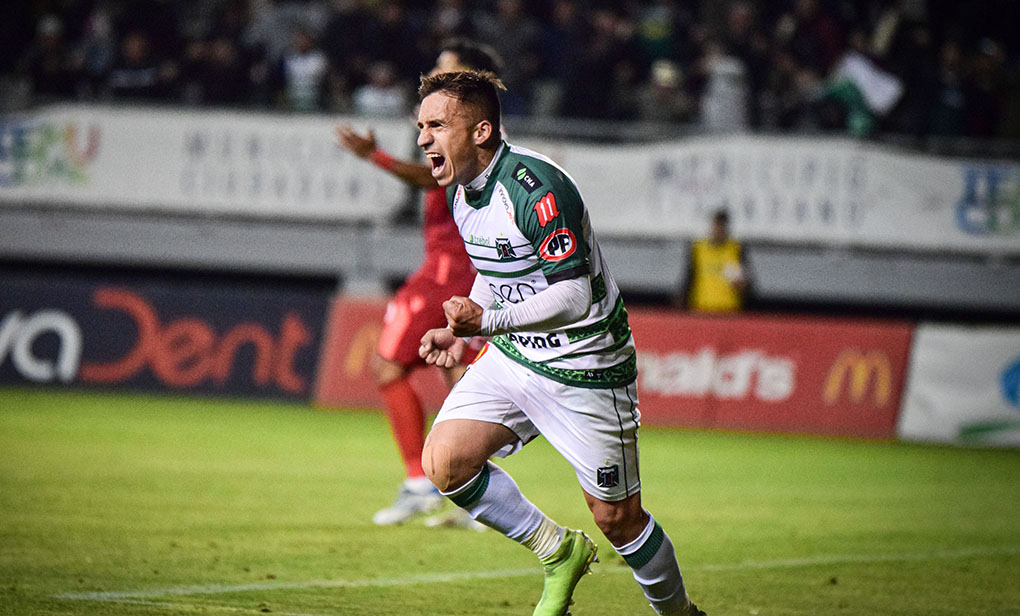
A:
[417,306]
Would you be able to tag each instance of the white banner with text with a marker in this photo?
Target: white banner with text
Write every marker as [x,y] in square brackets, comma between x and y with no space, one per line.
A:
[829,191]
[255,165]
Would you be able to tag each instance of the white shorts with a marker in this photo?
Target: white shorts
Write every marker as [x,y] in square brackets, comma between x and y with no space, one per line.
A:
[594,429]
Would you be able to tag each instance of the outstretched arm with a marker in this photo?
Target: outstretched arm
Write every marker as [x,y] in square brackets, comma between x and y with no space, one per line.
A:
[364,146]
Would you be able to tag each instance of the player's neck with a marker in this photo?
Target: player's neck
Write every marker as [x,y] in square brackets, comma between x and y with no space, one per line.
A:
[486,159]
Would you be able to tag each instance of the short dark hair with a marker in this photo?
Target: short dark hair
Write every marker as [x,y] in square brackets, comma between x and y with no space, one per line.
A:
[477,56]
[480,89]
[722,216]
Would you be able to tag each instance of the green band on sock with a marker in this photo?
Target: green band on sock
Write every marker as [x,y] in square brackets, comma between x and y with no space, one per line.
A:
[472,492]
[642,556]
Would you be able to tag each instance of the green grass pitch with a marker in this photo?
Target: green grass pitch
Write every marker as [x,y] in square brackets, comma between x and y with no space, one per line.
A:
[114,504]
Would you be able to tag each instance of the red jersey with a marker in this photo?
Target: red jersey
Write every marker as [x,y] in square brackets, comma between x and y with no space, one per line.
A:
[439,229]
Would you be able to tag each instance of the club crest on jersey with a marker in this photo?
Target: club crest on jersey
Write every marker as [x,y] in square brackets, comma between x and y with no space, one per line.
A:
[608,476]
[560,244]
[546,209]
[526,178]
[504,250]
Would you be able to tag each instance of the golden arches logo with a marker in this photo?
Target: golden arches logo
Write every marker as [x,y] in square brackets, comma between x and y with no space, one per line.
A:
[361,350]
[861,369]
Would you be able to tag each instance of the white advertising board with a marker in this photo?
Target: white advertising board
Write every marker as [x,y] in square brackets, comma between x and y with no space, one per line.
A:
[209,163]
[963,386]
[828,191]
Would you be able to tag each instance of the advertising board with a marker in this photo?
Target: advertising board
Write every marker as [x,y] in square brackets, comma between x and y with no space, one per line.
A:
[771,374]
[964,386]
[187,335]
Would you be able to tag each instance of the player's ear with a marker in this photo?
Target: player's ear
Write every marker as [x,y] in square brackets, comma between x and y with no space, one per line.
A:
[483,132]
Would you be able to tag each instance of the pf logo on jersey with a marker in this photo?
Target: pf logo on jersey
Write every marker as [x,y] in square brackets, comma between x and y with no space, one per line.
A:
[560,244]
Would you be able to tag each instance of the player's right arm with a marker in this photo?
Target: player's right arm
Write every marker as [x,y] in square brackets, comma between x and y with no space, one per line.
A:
[364,146]
[563,303]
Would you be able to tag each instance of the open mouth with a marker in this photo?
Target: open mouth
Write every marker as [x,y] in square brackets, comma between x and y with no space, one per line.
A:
[438,162]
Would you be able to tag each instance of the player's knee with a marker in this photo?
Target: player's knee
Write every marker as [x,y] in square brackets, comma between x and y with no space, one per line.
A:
[435,461]
[619,522]
[447,466]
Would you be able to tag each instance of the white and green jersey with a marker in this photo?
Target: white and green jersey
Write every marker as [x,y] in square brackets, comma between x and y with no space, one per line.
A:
[526,229]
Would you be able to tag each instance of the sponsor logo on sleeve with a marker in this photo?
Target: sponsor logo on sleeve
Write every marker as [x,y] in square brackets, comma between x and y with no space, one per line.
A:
[526,178]
[546,209]
[560,244]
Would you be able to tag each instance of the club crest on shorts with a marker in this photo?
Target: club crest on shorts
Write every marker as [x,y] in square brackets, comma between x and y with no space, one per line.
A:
[608,476]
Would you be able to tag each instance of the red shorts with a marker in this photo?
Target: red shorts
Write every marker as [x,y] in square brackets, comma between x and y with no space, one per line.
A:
[418,306]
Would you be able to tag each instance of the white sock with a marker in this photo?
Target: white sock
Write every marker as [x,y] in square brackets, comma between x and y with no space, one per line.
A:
[418,485]
[493,498]
[653,561]
[546,538]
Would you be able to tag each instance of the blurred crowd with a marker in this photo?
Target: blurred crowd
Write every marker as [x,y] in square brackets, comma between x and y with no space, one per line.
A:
[922,67]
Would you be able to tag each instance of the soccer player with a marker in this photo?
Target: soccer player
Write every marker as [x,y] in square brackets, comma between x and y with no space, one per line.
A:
[416,307]
[564,364]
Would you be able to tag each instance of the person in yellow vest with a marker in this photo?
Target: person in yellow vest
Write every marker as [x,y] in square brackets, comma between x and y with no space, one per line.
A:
[717,278]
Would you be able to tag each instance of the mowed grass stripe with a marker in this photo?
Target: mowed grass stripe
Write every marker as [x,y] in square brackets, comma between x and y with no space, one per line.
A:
[438,578]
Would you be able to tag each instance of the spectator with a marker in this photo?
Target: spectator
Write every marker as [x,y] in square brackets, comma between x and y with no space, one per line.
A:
[662,98]
[588,60]
[565,34]
[718,278]
[813,35]
[223,75]
[137,74]
[515,36]
[97,51]
[609,42]
[947,108]
[47,62]
[865,91]
[985,90]
[724,102]
[301,76]
[747,43]
[382,96]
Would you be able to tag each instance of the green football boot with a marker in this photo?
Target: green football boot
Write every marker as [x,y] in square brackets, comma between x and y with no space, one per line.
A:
[563,570]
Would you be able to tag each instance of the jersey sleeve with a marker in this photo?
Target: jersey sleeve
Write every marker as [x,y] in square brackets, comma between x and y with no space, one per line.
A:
[552,218]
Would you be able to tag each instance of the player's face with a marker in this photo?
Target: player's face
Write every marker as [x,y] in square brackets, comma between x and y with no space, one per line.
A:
[449,134]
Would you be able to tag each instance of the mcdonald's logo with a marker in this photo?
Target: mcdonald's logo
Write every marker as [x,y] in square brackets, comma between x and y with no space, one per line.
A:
[361,350]
[863,370]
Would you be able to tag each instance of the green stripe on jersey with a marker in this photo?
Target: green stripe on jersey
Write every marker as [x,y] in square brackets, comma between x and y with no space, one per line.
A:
[522,272]
[616,324]
[623,373]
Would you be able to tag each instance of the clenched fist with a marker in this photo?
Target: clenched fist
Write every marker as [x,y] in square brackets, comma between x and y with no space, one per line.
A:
[463,316]
[440,347]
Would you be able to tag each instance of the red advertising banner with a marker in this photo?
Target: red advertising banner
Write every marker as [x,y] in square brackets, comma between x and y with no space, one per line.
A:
[345,376]
[749,373]
[771,374]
